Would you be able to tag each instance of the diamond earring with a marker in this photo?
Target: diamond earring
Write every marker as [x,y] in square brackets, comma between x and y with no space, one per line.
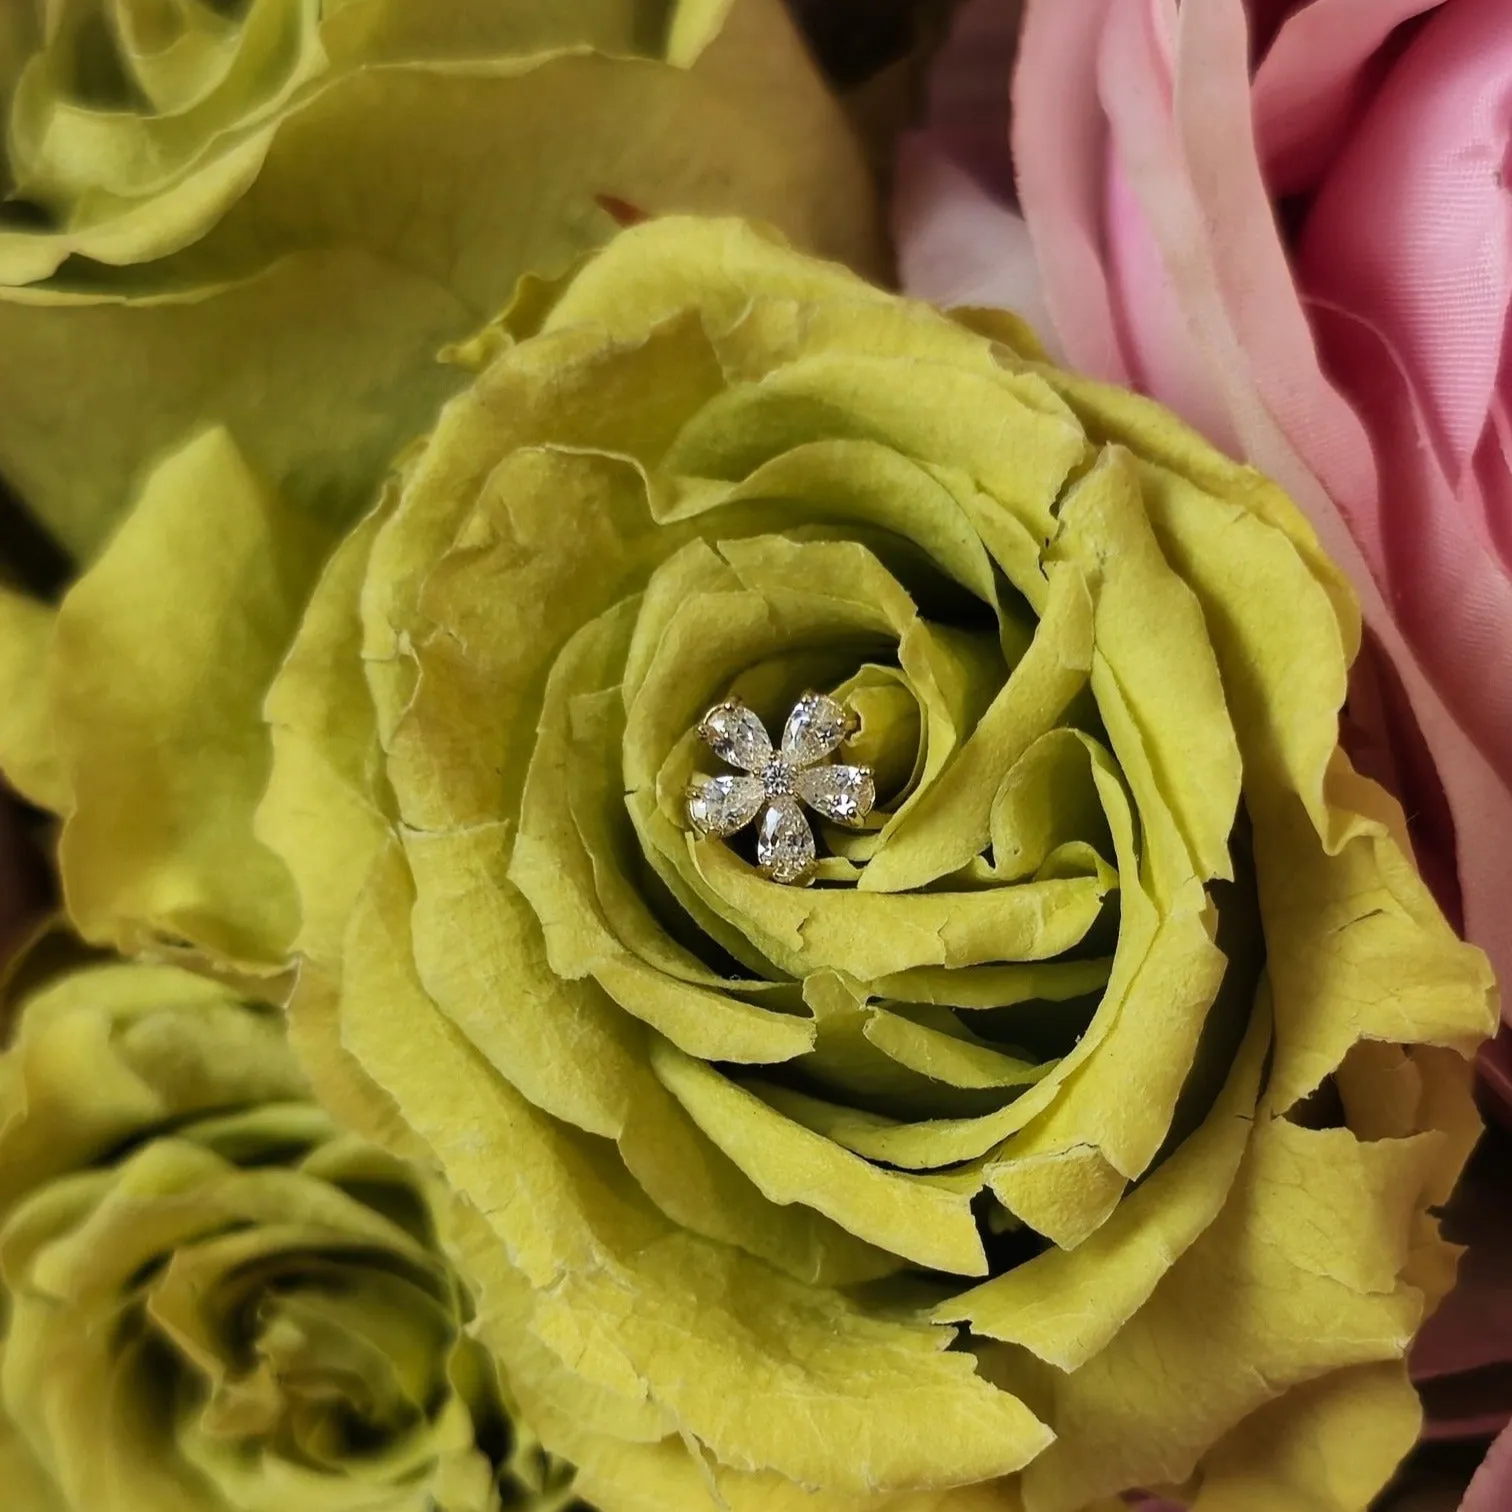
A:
[775,784]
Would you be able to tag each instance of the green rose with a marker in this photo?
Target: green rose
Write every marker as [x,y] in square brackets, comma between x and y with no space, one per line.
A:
[209,1298]
[278,211]
[1081,1129]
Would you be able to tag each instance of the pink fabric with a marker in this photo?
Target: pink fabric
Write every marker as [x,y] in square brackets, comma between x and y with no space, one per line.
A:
[1313,80]
[1348,340]
[1491,1490]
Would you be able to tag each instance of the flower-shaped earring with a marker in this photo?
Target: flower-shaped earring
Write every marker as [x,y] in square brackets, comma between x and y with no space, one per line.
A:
[776,784]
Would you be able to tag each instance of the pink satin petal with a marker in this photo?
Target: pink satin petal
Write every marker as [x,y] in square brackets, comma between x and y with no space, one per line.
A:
[1256,291]
[1491,1490]
[1313,82]
[959,246]
[1162,357]
[1412,228]
[1167,350]
[1059,152]
[1492,469]
[1450,594]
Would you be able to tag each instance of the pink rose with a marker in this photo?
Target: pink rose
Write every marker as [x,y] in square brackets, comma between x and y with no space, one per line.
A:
[1491,1490]
[1289,224]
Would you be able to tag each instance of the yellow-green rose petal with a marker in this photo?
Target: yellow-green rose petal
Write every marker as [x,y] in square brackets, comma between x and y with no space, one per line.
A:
[1083,1122]
[227,200]
[212,1299]
[136,671]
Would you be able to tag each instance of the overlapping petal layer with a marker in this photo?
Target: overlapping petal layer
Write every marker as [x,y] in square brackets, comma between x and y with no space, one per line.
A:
[283,209]
[1080,1129]
[212,1299]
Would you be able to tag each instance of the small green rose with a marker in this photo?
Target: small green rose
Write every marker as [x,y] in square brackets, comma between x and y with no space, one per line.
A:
[211,1300]
[279,211]
[1080,1129]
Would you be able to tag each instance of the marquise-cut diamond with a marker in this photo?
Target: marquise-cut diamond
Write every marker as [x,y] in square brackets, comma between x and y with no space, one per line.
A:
[784,842]
[772,783]
[842,793]
[736,735]
[815,728]
[722,805]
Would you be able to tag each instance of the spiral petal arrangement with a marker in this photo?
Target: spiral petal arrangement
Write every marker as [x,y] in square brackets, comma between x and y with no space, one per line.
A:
[281,210]
[212,1300]
[1079,1129]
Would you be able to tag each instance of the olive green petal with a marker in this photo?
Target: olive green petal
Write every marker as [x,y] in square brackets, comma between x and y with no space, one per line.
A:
[500,455]
[345,340]
[1047,801]
[469,140]
[654,1477]
[952,821]
[1153,636]
[714,266]
[627,1453]
[1438,1080]
[859,482]
[181,62]
[518,195]
[789,1377]
[159,662]
[1357,949]
[950,1055]
[1279,1291]
[313,1018]
[122,230]
[564,1044]
[30,1486]
[20,32]
[1065,1193]
[28,750]
[558,863]
[1329,1446]
[550,546]
[995,986]
[875,934]
[1159,437]
[89,164]
[697,1185]
[927,1221]
[324,810]
[373,31]
[107,1051]
[1066,1307]
[928,413]
[1146,1027]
